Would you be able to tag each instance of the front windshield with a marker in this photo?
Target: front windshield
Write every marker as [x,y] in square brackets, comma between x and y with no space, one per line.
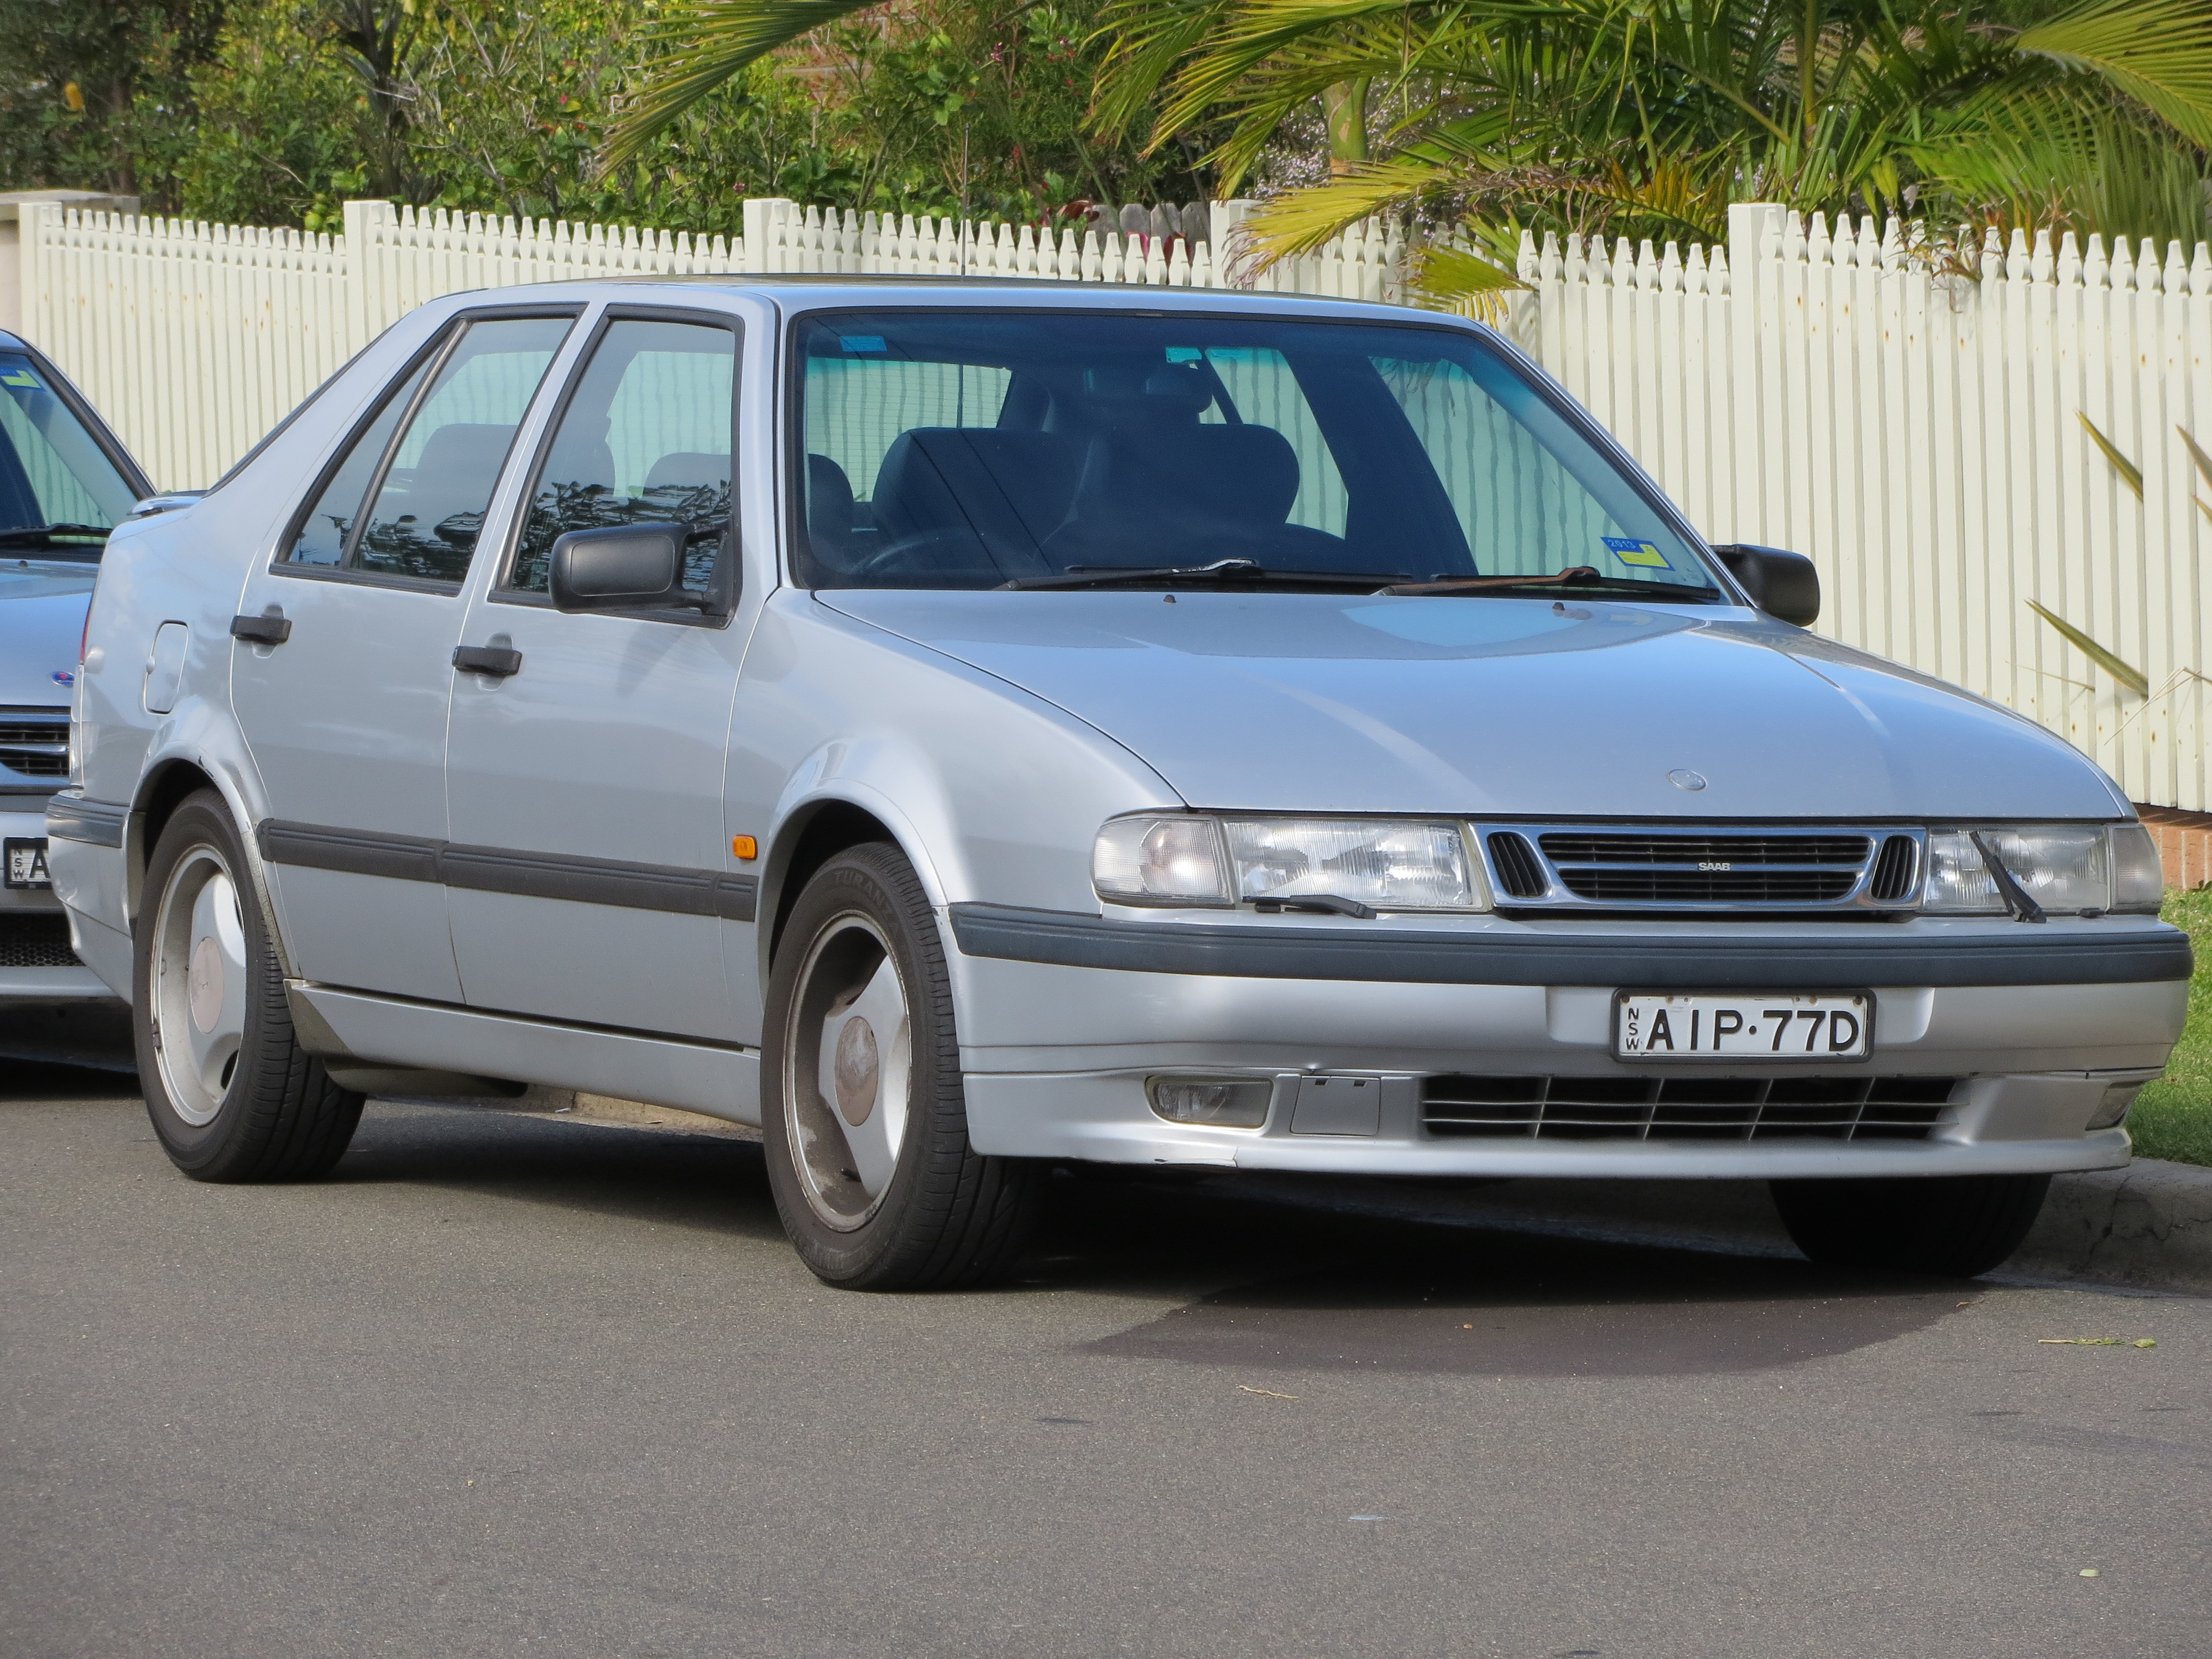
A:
[952,449]
[60,493]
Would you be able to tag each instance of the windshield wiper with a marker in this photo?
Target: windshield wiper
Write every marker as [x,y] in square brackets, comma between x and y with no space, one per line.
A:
[47,532]
[1221,570]
[1576,579]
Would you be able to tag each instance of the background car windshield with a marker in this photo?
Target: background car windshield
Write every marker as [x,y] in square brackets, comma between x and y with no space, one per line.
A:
[51,471]
[966,450]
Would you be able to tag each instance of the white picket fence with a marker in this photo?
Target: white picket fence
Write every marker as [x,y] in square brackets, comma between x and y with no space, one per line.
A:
[1915,422]
[1911,417]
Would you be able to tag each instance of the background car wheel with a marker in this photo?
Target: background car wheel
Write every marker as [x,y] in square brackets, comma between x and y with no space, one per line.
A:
[1954,1225]
[865,1125]
[231,1094]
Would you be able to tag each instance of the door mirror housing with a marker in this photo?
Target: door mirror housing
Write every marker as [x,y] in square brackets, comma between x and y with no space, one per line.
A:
[1784,585]
[631,567]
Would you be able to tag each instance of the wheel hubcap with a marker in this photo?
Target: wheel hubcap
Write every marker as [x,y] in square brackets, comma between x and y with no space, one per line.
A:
[848,1064]
[199,984]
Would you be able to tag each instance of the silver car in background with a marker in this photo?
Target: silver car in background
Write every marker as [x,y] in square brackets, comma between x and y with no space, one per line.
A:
[960,728]
[64,481]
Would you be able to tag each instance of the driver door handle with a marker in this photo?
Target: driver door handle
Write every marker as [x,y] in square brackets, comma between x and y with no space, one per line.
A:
[261,631]
[496,661]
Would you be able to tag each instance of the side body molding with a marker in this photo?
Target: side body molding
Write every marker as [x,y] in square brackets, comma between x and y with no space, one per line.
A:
[502,870]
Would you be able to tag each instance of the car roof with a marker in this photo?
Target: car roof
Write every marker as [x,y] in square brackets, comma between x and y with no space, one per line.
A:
[794,292]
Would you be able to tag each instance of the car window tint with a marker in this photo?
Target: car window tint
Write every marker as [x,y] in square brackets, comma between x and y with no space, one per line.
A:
[954,449]
[1515,499]
[645,439]
[322,536]
[857,406]
[51,469]
[431,504]
[1264,391]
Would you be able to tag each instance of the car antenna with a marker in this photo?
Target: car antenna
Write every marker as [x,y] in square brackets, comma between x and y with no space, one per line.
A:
[967,131]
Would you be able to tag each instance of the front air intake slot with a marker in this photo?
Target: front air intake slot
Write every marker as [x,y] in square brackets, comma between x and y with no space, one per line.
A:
[1895,869]
[1520,873]
[1678,1107]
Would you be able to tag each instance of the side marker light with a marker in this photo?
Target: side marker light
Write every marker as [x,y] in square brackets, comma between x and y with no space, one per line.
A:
[744,847]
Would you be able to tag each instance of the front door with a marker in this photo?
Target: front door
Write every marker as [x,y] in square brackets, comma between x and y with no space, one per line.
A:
[345,713]
[589,876]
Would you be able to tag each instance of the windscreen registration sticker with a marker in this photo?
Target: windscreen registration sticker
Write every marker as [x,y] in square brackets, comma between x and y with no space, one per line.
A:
[1630,552]
[24,378]
[1720,1025]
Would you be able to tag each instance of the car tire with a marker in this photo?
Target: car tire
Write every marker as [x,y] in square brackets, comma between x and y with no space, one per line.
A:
[1956,1226]
[232,1096]
[863,1115]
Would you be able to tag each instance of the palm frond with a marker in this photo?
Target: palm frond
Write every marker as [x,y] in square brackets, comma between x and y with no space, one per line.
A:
[713,40]
[2132,678]
[2157,51]
[2130,474]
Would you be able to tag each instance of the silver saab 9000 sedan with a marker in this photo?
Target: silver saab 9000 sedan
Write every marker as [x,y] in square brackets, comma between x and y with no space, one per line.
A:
[961,727]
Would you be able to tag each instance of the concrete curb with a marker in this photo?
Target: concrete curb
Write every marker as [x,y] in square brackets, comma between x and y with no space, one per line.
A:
[2145,1227]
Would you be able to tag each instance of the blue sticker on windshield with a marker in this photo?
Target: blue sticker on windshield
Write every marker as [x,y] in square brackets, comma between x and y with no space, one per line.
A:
[862,341]
[23,377]
[1186,354]
[1629,550]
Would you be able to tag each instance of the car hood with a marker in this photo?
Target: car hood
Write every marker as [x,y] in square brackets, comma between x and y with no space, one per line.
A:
[1303,702]
[41,621]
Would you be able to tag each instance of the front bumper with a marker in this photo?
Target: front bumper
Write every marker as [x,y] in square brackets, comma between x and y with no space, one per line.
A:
[1056,1053]
[36,964]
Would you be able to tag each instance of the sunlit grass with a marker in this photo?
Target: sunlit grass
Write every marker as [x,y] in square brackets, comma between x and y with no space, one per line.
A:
[2174,1118]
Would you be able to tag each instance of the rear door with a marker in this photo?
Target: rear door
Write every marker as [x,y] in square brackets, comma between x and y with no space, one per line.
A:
[343,698]
[590,876]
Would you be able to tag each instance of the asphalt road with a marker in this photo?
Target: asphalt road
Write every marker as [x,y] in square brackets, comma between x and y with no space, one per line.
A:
[510,1385]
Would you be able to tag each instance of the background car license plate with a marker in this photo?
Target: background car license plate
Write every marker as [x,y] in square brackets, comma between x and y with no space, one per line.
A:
[1676,1025]
[26,864]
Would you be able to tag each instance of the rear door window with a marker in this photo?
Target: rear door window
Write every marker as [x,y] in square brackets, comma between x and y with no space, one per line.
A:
[454,417]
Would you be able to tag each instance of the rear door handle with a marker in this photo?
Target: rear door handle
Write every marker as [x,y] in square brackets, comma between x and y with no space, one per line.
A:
[496,661]
[261,631]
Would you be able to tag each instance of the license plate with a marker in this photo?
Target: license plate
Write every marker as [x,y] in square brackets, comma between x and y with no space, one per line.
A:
[1677,1025]
[26,864]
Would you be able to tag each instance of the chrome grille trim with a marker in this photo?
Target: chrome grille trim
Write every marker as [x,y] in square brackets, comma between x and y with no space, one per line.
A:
[34,742]
[1703,867]
[1683,1107]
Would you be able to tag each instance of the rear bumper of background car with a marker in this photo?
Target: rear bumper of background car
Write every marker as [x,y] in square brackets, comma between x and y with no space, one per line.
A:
[1065,1020]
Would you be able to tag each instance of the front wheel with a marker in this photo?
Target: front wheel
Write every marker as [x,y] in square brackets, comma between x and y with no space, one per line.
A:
[231,1094]
[863,1115]
[1956,1226]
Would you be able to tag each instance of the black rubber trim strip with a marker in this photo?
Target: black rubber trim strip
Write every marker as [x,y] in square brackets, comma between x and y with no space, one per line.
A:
[599,881]
[353,852]
[671,887]
[1703,962]
[97,823]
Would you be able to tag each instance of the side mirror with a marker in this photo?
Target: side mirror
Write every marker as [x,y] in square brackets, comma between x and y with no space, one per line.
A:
[631,567]
[1782,585]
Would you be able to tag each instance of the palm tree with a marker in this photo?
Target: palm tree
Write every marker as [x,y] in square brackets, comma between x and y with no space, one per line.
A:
[1651,116]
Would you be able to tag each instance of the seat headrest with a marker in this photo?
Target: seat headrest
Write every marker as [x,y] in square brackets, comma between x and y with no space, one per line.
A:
[1246,475]
[689,469]
[829,508]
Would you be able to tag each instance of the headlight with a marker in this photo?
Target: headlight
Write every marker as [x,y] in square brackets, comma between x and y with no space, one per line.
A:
[1385,863]
[2064,867]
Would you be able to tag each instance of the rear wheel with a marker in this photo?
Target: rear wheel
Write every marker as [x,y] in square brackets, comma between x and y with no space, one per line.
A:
[864,1118]
[231,1094]
[1954,1225]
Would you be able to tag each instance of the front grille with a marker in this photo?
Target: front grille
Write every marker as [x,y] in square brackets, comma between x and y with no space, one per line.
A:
[35,941]
[1692,867]
[34,742]
[1753,886]
[1569,847]
[1685,1108]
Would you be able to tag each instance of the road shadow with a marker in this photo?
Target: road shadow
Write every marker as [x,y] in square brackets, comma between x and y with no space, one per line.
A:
[1326,1290]
[705,1182]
